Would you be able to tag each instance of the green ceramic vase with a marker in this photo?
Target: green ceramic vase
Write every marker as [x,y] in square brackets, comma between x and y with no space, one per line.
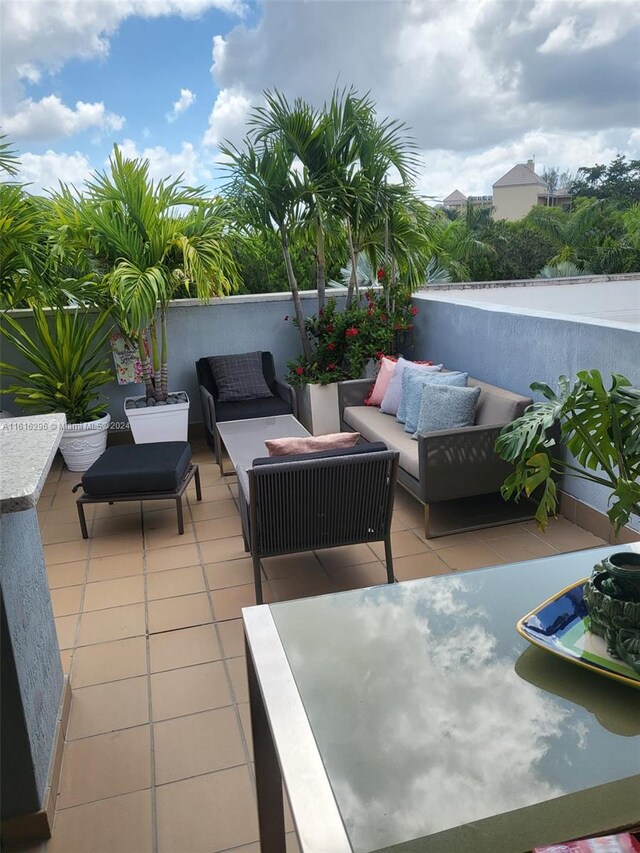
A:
[612,597]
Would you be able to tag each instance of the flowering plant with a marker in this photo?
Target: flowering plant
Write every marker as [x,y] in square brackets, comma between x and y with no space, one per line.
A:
[345,340]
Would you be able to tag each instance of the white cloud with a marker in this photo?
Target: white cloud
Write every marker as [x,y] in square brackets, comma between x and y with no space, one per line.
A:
[228,117]
[44,171]
[29,72]
[165,164]
[186,99]
[44,34]
[49,119]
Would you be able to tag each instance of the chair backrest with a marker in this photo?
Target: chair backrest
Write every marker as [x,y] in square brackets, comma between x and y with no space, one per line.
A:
[205,374]
[321,503]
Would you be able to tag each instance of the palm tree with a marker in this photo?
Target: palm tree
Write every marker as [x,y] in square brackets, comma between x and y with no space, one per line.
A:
[149,239]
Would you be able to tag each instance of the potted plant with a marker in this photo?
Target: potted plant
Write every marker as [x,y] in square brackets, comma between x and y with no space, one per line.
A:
[70,362]
[600,428]
[154,240]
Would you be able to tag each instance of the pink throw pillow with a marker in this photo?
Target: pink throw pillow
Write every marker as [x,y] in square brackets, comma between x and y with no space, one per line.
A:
[385,372]
[311,443]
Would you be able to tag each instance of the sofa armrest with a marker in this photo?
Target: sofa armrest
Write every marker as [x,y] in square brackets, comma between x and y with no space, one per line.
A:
[459,463]
[208,410]
[352,392]
[287,393]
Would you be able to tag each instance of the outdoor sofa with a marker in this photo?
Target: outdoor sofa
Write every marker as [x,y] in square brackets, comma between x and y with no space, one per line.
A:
[455,473]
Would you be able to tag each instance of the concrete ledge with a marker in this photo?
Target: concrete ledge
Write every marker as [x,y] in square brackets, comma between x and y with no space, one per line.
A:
[37,826]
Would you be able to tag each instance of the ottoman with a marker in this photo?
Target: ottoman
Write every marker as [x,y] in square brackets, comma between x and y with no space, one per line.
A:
[139,472]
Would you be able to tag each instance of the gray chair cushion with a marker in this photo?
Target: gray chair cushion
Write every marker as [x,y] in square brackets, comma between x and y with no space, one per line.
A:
[240,410]
[134,468]
[239,377]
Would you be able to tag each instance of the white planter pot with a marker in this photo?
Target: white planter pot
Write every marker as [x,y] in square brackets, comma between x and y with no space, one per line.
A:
[158,423]
[82,444]
[318,408]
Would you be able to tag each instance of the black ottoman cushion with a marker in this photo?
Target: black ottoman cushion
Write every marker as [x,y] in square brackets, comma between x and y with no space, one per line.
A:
[130,469]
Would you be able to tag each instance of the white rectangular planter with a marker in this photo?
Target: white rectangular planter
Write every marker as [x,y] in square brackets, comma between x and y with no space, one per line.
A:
[318,408]
[158,423]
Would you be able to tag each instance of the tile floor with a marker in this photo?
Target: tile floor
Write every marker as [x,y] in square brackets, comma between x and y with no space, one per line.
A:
[158,758]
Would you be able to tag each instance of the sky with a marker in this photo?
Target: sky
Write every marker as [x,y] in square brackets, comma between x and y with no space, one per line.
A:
[481,84]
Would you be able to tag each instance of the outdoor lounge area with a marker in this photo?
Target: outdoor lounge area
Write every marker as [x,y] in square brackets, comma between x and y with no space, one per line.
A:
[158,753]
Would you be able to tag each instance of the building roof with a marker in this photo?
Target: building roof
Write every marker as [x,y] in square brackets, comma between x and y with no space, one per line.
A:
[456,195]
[520,175]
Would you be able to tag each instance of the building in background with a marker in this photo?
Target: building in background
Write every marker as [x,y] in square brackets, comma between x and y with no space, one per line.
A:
[514,194]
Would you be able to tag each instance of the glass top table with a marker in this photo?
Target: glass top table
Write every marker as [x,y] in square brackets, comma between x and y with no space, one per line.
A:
[414,717]
[245,439]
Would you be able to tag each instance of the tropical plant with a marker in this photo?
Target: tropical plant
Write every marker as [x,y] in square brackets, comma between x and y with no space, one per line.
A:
[149,239]
[599,427]
[563,269]
[70,362]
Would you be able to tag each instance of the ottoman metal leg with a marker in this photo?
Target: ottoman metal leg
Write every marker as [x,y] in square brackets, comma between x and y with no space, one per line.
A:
[180,518]
[198,489]
[83,522]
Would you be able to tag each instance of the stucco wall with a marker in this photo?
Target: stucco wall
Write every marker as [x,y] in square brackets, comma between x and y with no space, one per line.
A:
[514,202]
[513,350]
[31,669]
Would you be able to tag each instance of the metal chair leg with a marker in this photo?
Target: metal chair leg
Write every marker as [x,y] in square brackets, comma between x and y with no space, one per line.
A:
[198,487]
[83,522]
[180,518]
[389,559]
[257,578]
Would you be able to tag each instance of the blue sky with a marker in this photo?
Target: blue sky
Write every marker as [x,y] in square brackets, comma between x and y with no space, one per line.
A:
[482,84]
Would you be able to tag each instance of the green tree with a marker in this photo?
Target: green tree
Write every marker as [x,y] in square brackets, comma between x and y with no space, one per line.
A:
[619,181]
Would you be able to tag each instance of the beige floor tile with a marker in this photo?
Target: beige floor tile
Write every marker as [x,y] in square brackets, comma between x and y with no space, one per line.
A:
[109,662]
[291,842]
[521,546]
[160,518]
[66,552]
[403,544]
[64,499]
[65,532]
[186,647]
[118,623]
[438,543]
[287,565]
[410,515]
[120,508]
[66,631]
[419,566]
[398,522]
[118,566]
[117,525]
[66,600]
[185,611]
[232,638]
[108,707]
[165,537]
[113,593]
[564,536]
[207,814]
[350,555]
[214,509]
[175,582]
[238,673]
[233,573]
[123,543]
[473,555]
[174,557]
[218,528]
[228,603]
[302,586]
[67,515]
[153,506]
[358,577]
[220,550]
[122,824]
[197,744]
[244,711]
[104,766]
[67,574]
[502,531]
[189,690]
[211,493]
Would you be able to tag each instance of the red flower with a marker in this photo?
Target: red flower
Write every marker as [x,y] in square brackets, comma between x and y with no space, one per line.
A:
[321,312]
[380,274]
[351,332]
[410,326]
[383,317]
[329,328]
[398,326]
[331,346]
[331,366]
[299,370]
[370,312]
[413,310]
[379,355]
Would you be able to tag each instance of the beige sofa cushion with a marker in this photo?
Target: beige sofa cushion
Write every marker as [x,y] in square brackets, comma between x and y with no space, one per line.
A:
[497,406]
[373,425]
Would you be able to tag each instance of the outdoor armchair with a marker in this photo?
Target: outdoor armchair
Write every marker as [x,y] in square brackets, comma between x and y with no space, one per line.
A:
[283,401]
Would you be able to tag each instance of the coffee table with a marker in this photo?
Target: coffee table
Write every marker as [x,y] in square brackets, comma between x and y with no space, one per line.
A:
[414,717]
[245,439]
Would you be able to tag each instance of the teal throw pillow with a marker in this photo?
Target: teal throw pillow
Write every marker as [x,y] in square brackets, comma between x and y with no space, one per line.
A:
[446,407]
[415,384]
